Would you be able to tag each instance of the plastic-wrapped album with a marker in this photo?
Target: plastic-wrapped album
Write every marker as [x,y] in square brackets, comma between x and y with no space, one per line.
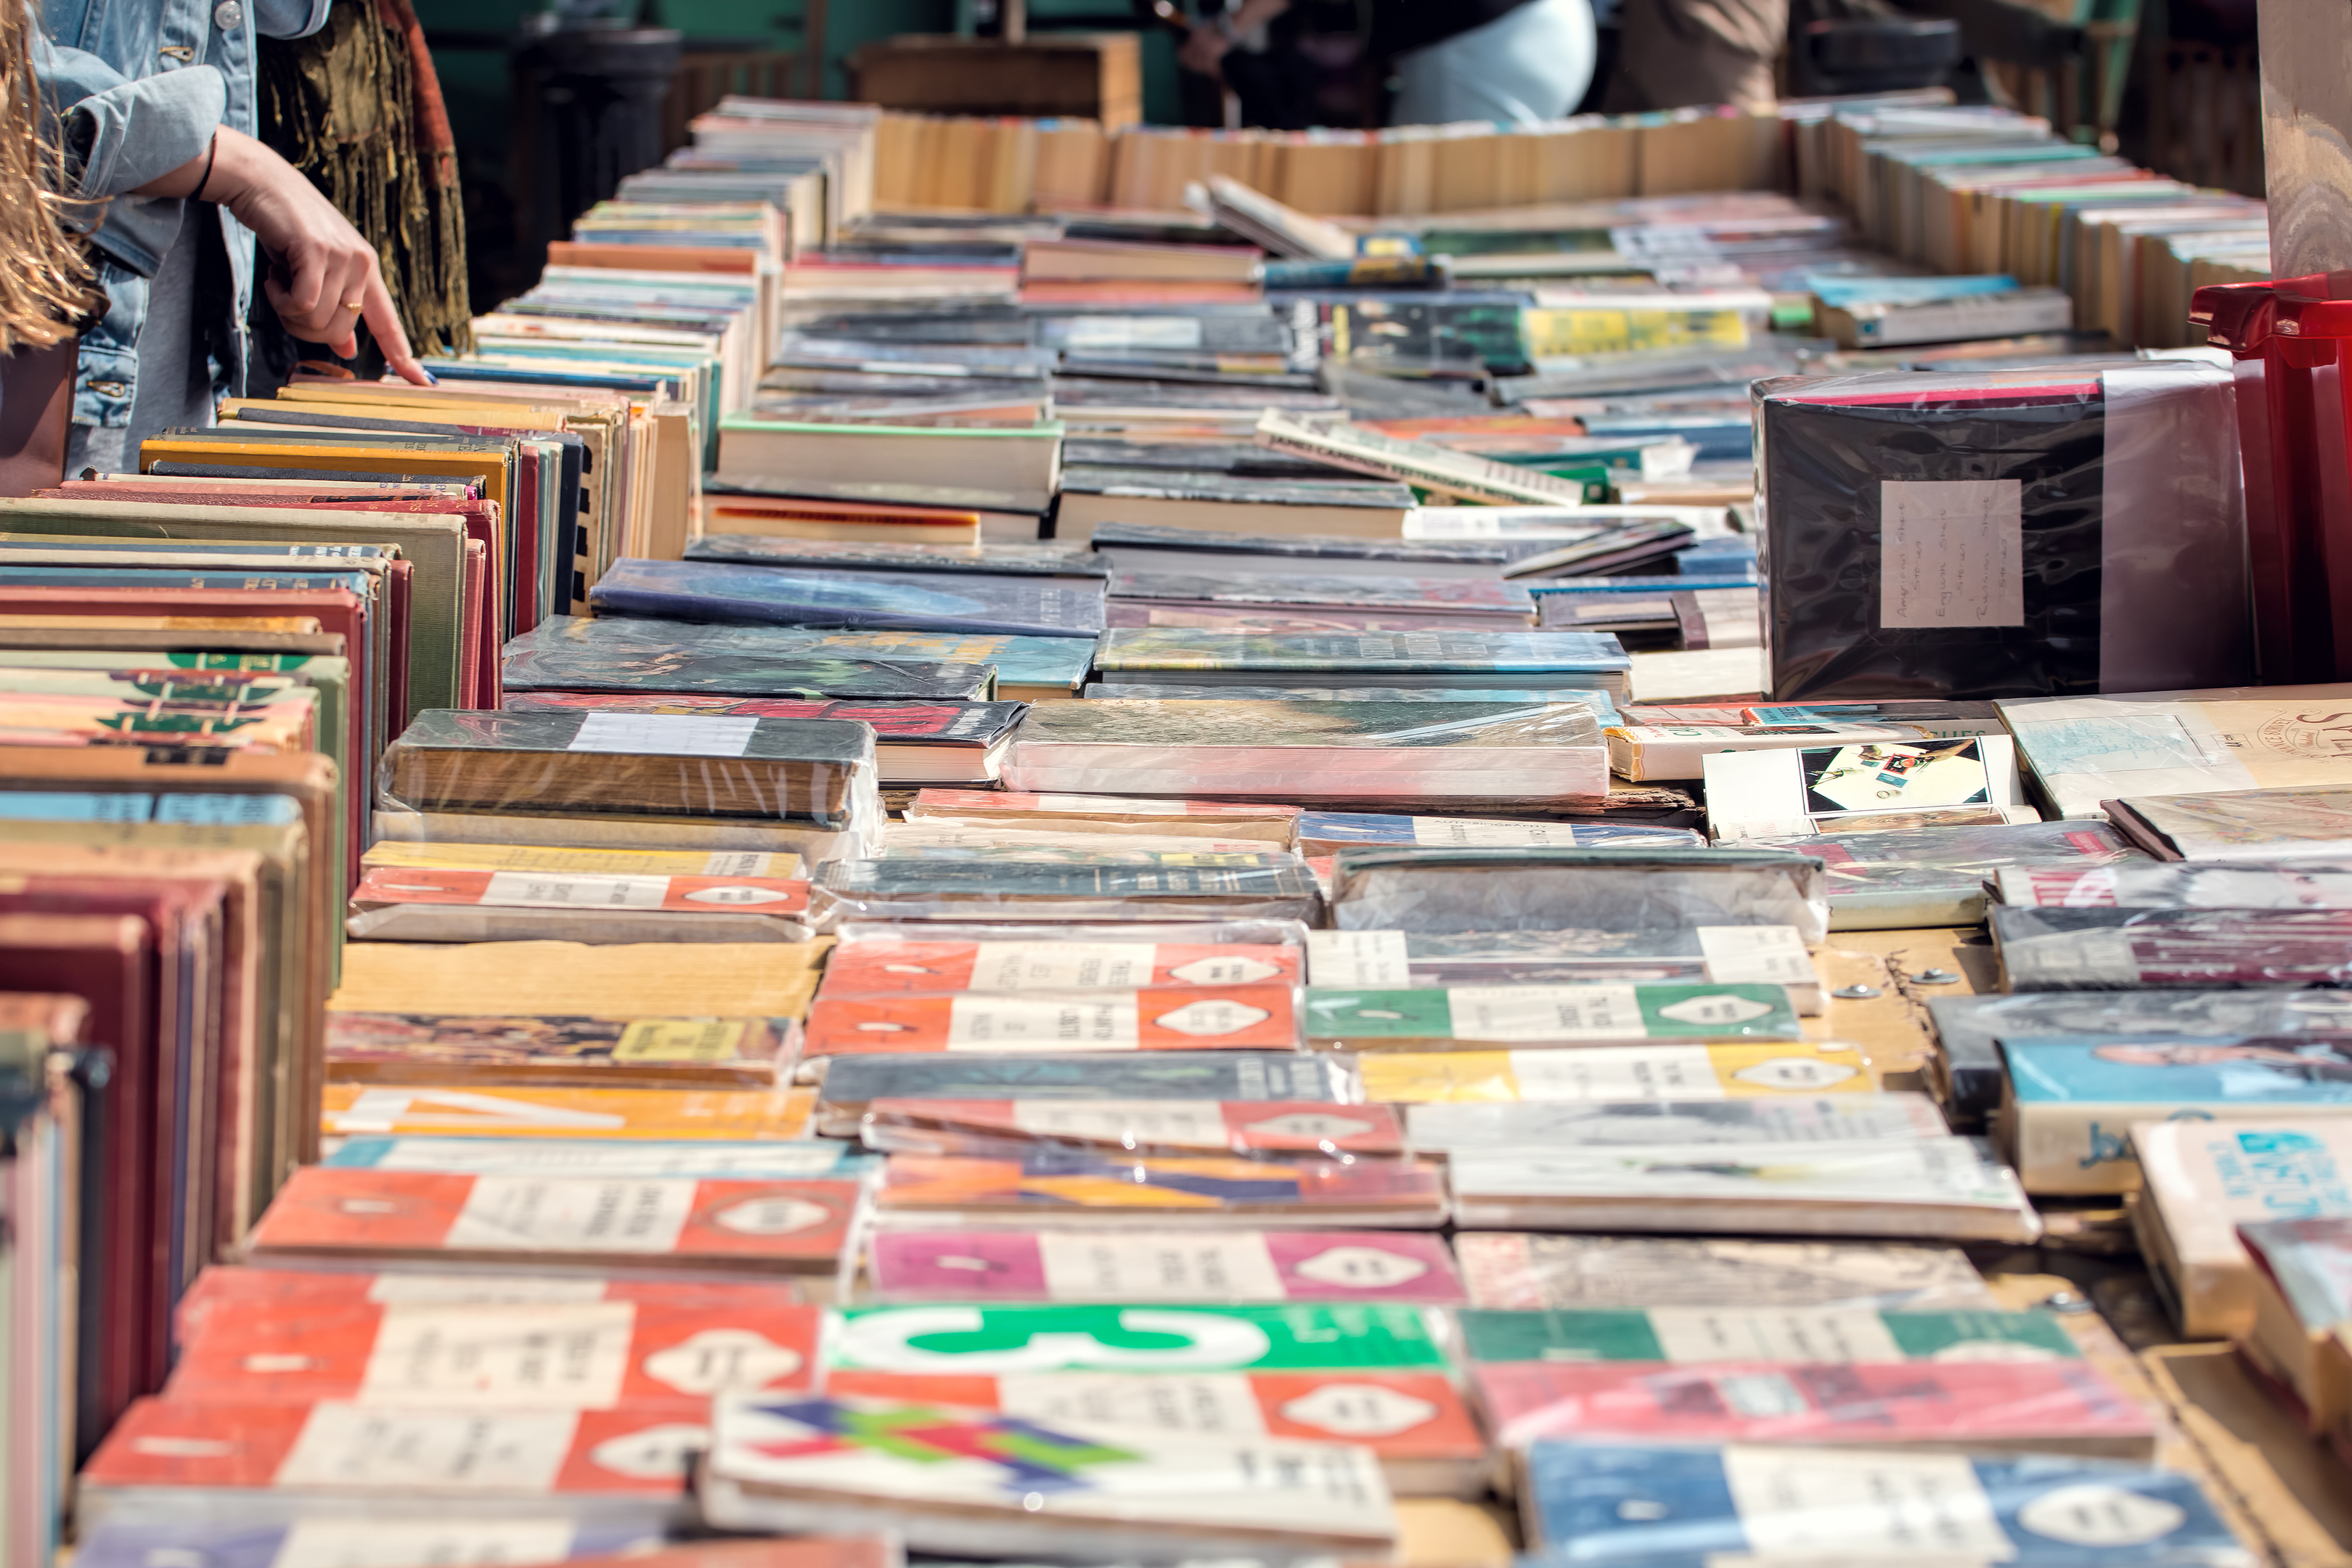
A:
[1692,955]
[1895,879]
[819,771]
[1471,1017]
[2179,886]
[1315,753]
[1067,1186]
[875,968]
[2298,825]
[851,1084]
[568,653]
[1443,1128]
[985,889]
[1589,1073]
[2002,534]
[1455,891]
[1257,1128]
[914,601]
[1525,1272]
[2044,949]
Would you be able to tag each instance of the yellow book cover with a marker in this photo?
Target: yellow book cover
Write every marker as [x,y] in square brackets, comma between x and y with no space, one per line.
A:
[414,1111]
[647,980]
[1655,1072]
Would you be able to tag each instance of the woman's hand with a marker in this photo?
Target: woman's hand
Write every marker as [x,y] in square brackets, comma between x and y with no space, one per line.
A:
[337,283]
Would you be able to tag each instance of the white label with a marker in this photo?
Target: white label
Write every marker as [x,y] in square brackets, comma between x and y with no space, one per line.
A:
[665,734]
[1863,1503]
[587,1156]
[1759,1395]
[715,1360]
[1232,1266]
[1760,955]
[1817,1336]
[1951,552]
[408,1543]
[535,1356]
[1359,1268]
[1096,804]
[1794,1074]
[561,1214]
[1209,1018]
[1225,968]
[1449,832]
[1306,1126]
[741,863]
[1218,1405]
[539,889]
[345,1448]
[1358,1411]
[453,1289]
[2077,958]
[1061,965]
[1716,1012]
[2092,1514]
[1617,1072]
[1374,959]
[1018,1024]
[1545,1013]
[1192,1123]
[658,1453]
[1451,522]
[1133,332]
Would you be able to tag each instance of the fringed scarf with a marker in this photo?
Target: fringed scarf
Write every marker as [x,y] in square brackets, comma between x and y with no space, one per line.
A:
[356,105]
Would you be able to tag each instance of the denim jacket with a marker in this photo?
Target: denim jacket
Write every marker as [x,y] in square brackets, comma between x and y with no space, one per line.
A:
[142,85]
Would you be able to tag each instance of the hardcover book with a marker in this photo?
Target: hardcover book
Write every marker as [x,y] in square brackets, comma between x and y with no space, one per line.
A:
[1523,1272]
[1670,1073]
[915,601]
[2089,750]
[1139,1266]
[950,1479]
[618,1225]
[994,559]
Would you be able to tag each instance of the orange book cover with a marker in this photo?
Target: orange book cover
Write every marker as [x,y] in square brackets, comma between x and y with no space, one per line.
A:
[323,1294]
[885,968]
[648,1221]
[1165,1018]
[511,1355]
[351,1110]
[577,890]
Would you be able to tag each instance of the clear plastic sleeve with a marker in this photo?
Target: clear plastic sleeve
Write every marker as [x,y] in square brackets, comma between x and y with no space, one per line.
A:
[1482,1018]
[1171,1019]
[1264,1130]
[2195,949]
[817,771]
[1453,891]
[974,888]
[1471,1129]
[1898,879]
[814,845]
[2253,824]
[453,922]
[1329,832]
[849,1085]
[901,965]
[1052,841]
[579,653]
[1695,955]
[2176,887]
[1521,1272]
[1092,1188]
[2026,533]
[1109,813]
[1246,933]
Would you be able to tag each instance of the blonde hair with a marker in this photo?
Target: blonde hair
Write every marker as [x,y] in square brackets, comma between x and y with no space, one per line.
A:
[45,277]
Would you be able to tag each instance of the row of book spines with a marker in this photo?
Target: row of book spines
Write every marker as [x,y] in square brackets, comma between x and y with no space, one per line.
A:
[1012,165]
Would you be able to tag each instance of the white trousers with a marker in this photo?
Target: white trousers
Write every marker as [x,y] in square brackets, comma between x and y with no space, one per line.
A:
[1531,64]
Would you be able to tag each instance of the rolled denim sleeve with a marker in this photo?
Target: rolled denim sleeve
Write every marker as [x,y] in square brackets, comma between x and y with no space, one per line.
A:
[289,18]
[125,135]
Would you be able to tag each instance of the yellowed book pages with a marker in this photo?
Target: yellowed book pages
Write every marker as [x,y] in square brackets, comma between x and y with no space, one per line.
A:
[1464,176]
[1444,1532]
[392,855]
[414,1111]
[1073,165]
[676,475]
[572,978]
[1401,177]
[1586,163]
[298,625]
[1330,176]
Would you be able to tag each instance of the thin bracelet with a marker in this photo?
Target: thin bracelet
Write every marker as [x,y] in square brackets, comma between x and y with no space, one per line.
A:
[211,154]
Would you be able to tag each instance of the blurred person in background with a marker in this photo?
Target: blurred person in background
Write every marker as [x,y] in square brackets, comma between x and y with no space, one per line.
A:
[1677,53]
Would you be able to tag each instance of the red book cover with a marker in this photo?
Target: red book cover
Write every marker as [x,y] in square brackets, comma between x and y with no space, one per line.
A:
[622,1222]
[498,1356]
[325,1295]
[884,968]
[1168,1018]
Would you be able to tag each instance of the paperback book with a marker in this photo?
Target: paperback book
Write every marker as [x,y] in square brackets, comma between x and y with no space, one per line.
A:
[1474,1016]
[886,968]
[1615,1074]
[1264,887]
[1443,1128]
[1800,1335]
[783,596]
[1138,1266]
[1080,1187]
[1261,1129]
[1329,832]
[1693,955]
[1534,1272]
[851,1084]
[2043,949]
[437,1048]
[989,1341]
[1429,659]
[2199,1181]
[1174,1019]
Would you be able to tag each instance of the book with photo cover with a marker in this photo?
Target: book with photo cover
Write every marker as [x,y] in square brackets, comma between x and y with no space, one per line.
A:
[1522,1272]
[395,1048]
[766,595]
[908,1263]
[631,763]
[2044,949]
[1897,783]
[1884,878]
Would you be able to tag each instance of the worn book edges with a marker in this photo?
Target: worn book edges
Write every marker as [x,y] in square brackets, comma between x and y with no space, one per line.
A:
[2201,1181]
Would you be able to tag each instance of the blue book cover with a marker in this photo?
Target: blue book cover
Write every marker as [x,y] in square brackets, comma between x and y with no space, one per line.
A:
[627,654]
[2168,1070]
[772,595]
[190,1540]
[1631,1507]
[193,810]
[1842,292]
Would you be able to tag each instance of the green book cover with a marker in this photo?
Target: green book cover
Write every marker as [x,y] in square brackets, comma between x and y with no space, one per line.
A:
[992,1340]
[1534,1013]
[1813,1335]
